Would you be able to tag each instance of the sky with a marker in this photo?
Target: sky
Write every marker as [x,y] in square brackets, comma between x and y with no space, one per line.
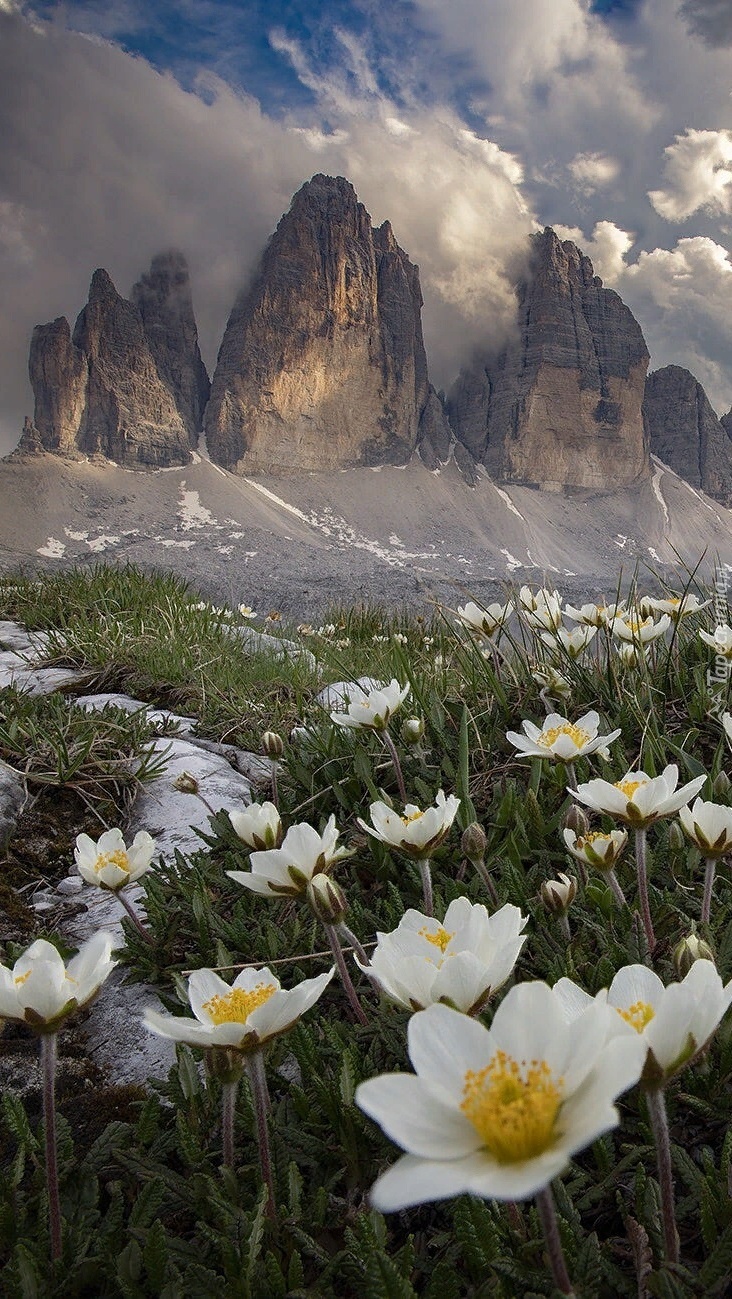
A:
[127,128]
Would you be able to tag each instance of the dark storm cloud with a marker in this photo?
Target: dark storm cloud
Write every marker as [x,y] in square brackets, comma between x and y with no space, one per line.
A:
[711,20]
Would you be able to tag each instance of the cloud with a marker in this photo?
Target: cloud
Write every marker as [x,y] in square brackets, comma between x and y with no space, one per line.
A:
[682,297]
[698,175]
[711,20]
[607,248]
[592,171]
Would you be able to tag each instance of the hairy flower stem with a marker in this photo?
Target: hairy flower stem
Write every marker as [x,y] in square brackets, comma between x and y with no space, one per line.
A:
[656,1103]
[351,940]
[395,763]
[616,887]
[484,873]
[228,1110]
[564,926]
[711,866]
[548,1218]
[135,918]
[48,1059]
[642,870]
[426,873]
[343,971]
[260,1097]
[274,783]
[571,775]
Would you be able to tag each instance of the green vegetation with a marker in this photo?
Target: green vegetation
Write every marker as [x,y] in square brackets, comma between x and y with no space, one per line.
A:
[149,1213]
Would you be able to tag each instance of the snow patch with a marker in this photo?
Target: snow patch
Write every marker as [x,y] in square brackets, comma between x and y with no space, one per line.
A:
[181,545]
[76,536]
[509,503]
[512,563]
[53,549]
[192,513]
[655,484]
[97,544]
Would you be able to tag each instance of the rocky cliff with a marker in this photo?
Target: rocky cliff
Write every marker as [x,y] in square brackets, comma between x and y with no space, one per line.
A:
[561,406]
[322,364]
[101,390]
[163,299]
[684,431]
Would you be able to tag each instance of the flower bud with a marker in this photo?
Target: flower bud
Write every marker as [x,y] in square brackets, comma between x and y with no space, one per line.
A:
[577,820]
[186,783]
[558,895]
[721,787]
[473,842]
[273,746]
[676,839]
[690,949]
[327,899]
[412,730]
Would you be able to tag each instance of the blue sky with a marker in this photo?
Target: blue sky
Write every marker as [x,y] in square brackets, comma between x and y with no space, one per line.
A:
[127,127]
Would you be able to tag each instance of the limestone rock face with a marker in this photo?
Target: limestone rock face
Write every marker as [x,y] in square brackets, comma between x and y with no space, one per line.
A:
[561,406]
[99,390]
[685,433]
[163,299]
[322,364]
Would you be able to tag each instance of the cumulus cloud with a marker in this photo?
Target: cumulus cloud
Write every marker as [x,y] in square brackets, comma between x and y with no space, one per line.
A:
[697,175]
[682,297]
[709,19]
[592,171]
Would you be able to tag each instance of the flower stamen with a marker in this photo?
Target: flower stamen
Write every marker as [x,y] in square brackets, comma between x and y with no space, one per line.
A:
[439,939]
[236,1006]
[628,787]
[118,858]
[637,1015]
[513,1106]
[575,733]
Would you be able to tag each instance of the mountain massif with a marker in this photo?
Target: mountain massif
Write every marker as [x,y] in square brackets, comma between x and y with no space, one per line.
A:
[323,367]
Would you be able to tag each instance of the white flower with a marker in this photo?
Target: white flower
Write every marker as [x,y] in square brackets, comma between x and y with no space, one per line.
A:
[286,871]
[108,863]
[461,961]
[594,615]
[675,606]
[639,799]
[497,1112]
[486,621]
[558,895]
[241,1016]
[674,1023]
[709,826]
[371,710]
[572,642]
[631,656]
[561,739]
[599,848]
[415,833]
[41,990]
[637,630]
[541,610]
[551,682]
[258,826]
[246,611]
[721,641]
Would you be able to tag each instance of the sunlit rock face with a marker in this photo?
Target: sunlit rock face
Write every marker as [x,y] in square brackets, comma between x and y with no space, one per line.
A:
[684,431]
[322,364]
[101,391]
[561,405]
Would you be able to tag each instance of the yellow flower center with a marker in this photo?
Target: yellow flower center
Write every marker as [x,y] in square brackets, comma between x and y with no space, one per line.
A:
[236,1006]
[118,858]
[628,787]
[413,816]
[21,978]
[576,733]
[513,1107]
[637,624]
[440,939]
[592,837]
[637,1015]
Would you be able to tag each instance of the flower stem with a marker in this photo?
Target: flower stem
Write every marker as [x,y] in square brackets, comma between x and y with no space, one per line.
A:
[642,870]
[564,926]
[48,1058]
[228,1110]
[485,875]
[711,866]
[548,1218]
[343,971]
[352,941]
[274,782]
[260,1096]
[659,1123]
[616,887]
[395,763]
[426,873]
[134,917]
[571,775]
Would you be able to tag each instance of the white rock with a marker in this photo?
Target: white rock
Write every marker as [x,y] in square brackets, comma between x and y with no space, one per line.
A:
[157,716]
